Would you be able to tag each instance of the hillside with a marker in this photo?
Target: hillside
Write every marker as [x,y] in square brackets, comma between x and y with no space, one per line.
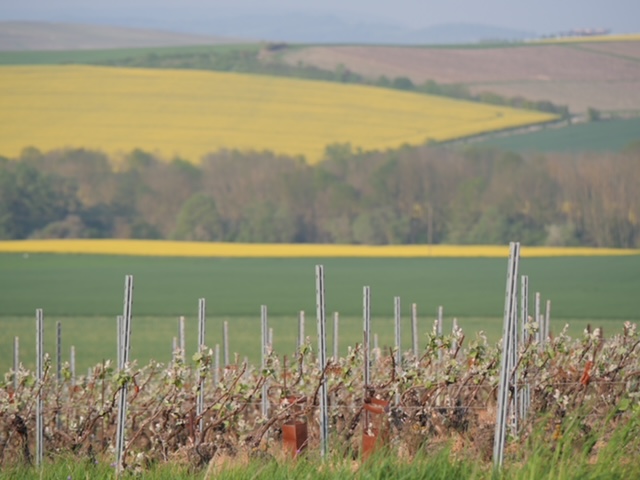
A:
[602,136]
[602,75]
[191,113]
[20,36]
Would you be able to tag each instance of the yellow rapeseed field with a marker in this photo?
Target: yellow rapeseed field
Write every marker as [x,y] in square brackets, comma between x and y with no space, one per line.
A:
[625,37]
[163,248]
[191,113]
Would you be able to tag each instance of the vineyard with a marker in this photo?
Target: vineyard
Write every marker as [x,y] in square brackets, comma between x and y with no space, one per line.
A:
[201,411]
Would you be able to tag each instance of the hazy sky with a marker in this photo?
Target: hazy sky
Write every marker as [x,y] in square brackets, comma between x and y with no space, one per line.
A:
[540,16]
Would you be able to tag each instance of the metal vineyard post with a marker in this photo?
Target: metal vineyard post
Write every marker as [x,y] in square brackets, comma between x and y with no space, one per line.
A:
[398,340]
[16,361]
[366,317]
[202,325]
[122,399]
[414,330]
[39,379]
[216,365]
[265,354]
[225,342]
[336,321]
[507,345]
[300,331]
[322,359]
[181,339]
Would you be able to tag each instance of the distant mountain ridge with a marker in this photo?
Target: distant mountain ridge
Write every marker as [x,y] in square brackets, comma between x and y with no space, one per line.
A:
[17,36]
[301,28]
[291,27]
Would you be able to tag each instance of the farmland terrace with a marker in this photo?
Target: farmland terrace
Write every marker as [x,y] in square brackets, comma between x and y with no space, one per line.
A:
[605,75]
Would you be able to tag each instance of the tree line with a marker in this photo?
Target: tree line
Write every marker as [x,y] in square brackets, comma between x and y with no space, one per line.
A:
[412,195]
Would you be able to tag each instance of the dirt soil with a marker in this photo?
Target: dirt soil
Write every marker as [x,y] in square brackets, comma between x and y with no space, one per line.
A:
[600,75]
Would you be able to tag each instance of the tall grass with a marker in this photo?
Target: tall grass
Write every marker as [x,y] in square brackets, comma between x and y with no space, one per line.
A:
[608,453]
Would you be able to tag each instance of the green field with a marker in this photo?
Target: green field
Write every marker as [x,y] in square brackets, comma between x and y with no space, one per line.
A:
[85,293]
[54,57]
[603,136]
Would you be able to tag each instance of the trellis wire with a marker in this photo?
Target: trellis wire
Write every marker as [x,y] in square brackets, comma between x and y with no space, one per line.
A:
[322,359]
[16,361]
[202,326]
[503,390]
[265,353]
[122,399]
[39,379]
[414,330]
